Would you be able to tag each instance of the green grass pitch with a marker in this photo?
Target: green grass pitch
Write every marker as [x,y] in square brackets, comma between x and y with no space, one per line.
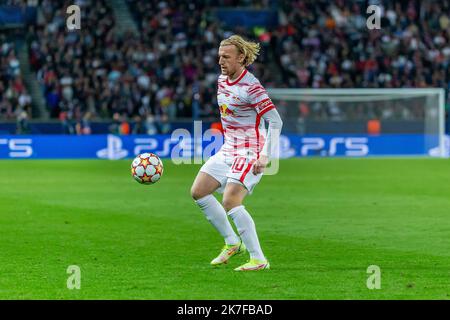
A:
[321,223]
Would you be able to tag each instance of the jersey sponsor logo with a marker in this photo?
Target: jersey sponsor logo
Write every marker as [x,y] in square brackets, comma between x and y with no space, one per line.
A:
[264,103]
[225,111]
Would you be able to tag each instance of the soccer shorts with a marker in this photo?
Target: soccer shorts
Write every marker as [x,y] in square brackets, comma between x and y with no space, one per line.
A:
[238,170]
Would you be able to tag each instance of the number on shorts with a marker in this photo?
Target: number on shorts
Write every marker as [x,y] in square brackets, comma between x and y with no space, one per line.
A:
[238,164]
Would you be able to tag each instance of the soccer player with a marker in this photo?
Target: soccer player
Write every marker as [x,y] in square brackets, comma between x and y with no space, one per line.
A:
[239,164]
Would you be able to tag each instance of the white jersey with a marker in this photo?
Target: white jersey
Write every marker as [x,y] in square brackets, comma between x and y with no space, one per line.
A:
[242,104]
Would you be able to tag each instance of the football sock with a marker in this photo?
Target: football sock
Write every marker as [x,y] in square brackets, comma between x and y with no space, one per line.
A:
[247,231]
[217,216]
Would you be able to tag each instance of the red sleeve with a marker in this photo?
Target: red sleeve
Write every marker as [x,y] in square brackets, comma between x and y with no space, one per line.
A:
[259,99]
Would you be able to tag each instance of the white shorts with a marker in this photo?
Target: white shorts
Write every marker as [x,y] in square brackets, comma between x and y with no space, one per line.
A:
[238,170]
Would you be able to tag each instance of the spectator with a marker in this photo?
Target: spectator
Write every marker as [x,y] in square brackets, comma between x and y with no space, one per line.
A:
[22,126]
[164,124]
[150,124]
[12,90]
[139,127]
[83,127]
[67,123]
[124,128]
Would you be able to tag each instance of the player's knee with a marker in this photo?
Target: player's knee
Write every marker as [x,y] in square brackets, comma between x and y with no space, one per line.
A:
[196,193]
[230,203]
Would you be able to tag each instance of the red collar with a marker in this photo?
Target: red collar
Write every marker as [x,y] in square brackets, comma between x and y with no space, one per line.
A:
[238,79]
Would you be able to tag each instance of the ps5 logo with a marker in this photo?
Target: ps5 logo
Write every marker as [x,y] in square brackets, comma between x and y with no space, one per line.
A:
[353,147]
[18,148]
[286,151]
[113,149]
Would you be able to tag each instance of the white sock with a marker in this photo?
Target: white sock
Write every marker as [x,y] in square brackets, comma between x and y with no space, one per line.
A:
[247,231]
[216,214]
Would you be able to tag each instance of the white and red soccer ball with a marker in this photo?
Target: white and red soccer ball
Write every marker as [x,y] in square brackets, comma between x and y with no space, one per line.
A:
[147,168]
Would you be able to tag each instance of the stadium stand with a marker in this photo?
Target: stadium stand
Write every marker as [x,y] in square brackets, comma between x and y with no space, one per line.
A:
[169,69]
[323,45]
[15,102]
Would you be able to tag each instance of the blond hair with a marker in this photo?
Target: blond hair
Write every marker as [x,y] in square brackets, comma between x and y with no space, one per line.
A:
[248,48]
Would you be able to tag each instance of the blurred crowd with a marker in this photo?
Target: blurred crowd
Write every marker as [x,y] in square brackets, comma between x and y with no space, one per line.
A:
[166,71]
[169,68]
[78,70]
[15,102]
[327,44]
[20,3]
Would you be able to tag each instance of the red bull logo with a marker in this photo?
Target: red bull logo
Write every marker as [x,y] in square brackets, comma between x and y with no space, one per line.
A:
[225,111]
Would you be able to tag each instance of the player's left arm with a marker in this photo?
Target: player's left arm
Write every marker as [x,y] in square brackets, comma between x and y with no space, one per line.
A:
[264,107]
[271,145]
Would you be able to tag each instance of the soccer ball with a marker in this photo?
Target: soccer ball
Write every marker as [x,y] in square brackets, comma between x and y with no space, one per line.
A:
[147,168]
